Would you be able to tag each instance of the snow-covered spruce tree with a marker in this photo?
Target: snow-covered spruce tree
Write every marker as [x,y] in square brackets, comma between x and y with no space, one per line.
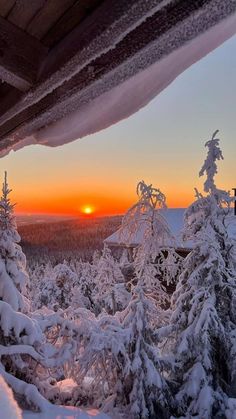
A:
[204,305]
[56,287]
[83,291]
[108,276]
[19,335]
[38,277]
[96,258]
[156,261]
[23,350]
[144,387]
[13,276]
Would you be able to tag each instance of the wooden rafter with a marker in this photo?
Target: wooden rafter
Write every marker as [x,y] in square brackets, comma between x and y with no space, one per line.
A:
[20,56]
[69,20]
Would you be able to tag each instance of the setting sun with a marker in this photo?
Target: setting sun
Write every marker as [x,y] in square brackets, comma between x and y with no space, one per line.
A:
[87,210]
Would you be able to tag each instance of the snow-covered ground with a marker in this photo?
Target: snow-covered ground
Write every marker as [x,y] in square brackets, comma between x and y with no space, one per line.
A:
[59,412]
[10,410]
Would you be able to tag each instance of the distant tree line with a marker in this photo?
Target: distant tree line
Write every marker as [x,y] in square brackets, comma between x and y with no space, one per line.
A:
[65,240]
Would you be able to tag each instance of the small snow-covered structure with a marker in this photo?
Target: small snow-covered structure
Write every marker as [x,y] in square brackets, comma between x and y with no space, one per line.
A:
[132,240]
[175,219]
[145,230]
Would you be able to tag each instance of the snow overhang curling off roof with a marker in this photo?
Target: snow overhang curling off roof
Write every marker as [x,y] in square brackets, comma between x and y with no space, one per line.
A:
[109,66]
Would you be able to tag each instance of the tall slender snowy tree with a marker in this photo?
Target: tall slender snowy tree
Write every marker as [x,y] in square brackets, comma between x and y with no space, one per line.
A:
[145,388]
[83,294]
[108,276]
[13,276]
[19,335]
[204,309]
[144,221]
[25,357]
[156,261]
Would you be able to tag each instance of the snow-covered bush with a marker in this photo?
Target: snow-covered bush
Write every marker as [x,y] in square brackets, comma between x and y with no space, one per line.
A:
[119,356]
[100,358]
[204,310]
[20,353]
[65,334]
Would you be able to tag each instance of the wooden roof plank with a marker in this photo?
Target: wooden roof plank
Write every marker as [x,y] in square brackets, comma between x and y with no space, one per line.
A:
[104,64]
[47,17]
[9,96]
[24,11]
[20,56]
[96,24]
[6,6]
[4,89]
[71,18]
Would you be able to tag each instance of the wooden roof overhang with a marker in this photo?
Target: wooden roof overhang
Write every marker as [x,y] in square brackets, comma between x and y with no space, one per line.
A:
[53,52]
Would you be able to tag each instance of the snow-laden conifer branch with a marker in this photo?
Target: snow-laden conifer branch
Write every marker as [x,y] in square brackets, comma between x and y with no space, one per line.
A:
[209,166]
[204,317]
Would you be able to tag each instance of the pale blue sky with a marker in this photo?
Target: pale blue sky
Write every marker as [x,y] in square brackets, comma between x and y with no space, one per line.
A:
[163,144]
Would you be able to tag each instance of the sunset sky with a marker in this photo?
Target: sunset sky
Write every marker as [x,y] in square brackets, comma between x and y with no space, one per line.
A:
[162,144]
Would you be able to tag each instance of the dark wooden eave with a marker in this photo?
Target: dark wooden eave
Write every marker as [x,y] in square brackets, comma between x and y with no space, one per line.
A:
[54,52]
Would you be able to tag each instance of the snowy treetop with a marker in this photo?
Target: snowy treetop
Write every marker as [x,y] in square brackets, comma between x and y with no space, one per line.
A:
[209,166]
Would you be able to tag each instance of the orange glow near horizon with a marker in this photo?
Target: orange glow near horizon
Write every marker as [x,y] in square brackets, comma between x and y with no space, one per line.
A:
[73,205]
